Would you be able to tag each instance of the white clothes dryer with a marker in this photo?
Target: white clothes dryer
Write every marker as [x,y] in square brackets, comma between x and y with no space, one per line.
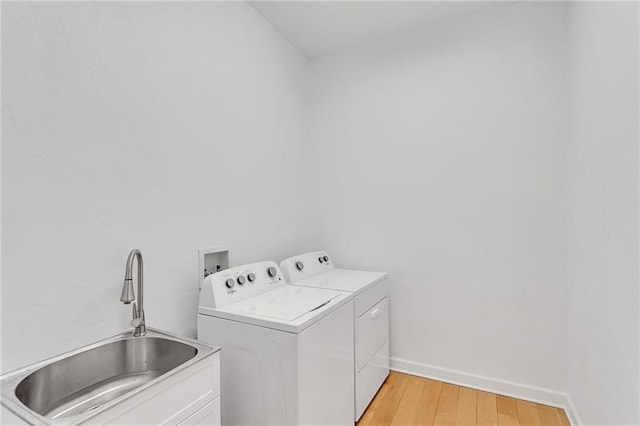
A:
[370,291]
[287,351]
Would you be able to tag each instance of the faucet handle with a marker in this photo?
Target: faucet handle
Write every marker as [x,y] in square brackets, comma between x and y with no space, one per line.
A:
[137,321]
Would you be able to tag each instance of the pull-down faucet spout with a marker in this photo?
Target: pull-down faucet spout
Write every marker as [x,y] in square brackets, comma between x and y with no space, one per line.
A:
[127,296]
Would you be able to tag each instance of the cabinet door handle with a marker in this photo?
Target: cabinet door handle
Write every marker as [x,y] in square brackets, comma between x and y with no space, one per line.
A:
[374,313]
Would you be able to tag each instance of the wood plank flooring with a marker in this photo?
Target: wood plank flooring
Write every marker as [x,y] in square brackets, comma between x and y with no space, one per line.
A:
[412,400]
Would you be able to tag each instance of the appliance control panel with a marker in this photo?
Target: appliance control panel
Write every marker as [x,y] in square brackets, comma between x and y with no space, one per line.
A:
[306,265]
[241,282]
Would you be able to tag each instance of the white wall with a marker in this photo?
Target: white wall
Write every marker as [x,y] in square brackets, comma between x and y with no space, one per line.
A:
[162,126]
[443,156]
[440,159]
[603,212]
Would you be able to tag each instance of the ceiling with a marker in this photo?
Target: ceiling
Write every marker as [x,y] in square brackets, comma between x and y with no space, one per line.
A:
[319,28]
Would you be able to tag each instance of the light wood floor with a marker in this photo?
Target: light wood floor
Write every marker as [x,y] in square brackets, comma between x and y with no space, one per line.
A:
[411,400]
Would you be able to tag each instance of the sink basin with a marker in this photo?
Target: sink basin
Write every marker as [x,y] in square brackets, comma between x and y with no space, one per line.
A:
[89,379]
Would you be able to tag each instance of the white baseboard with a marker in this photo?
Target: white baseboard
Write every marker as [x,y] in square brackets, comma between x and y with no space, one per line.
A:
[572,412]
[489,384]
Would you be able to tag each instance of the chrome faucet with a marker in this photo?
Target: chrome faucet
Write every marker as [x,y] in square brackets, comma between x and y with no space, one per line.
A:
[128,296]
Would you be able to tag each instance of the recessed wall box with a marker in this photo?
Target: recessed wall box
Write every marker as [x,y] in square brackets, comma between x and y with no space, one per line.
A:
[211,260]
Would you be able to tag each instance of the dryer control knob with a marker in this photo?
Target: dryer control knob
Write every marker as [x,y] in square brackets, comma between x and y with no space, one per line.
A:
[241,280]
[326,258]
[251,277]
[299,266]
[230,283]
[271,271]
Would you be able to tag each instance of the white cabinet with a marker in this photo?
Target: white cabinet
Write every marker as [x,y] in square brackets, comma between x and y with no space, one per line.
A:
[208,415]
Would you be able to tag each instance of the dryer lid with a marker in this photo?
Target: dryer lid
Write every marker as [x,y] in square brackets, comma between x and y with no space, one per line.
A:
[286,303]
[344,280]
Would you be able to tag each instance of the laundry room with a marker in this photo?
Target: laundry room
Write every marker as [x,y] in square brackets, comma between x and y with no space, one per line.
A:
[320,212]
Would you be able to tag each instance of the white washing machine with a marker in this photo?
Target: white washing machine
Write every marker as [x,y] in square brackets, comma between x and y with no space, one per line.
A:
[287,351]
[370,291]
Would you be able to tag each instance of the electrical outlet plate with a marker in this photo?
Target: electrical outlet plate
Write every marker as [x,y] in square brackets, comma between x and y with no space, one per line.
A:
[211,260]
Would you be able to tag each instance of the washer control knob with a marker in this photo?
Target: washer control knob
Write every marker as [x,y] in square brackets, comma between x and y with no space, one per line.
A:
[241,280]
[325,258]
[230,283]
[299,265]
[320,259]
[251,277]
[271,271]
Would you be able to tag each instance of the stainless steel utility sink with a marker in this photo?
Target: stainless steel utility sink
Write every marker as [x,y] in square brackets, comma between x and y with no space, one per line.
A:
[80,383]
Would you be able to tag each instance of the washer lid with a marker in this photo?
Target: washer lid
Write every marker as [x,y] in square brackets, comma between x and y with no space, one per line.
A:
[344,280]
[286,303]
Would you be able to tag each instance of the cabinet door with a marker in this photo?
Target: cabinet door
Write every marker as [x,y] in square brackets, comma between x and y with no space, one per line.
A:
[207,415]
